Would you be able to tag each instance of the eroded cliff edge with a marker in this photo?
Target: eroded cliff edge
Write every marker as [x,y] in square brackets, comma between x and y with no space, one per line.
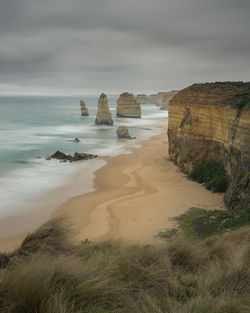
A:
[212,122]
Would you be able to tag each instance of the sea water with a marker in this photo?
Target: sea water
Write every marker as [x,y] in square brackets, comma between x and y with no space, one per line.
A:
[33,127]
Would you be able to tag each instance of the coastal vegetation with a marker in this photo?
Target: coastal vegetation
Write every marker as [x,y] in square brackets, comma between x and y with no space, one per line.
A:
[212,174]
[49,273]
[202,223]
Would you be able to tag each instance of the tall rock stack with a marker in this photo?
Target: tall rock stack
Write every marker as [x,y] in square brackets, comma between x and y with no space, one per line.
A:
[84,109]
[128,106]
[103,116]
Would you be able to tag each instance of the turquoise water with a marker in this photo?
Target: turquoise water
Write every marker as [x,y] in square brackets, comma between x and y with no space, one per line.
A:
[32,127]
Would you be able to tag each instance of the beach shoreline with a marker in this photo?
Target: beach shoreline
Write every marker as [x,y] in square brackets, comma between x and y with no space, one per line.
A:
[134,196]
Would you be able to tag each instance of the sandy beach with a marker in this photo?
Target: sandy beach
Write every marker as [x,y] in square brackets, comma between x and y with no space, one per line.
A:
[134,197]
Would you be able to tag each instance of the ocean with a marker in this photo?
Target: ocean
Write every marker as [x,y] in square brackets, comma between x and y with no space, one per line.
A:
[33,127]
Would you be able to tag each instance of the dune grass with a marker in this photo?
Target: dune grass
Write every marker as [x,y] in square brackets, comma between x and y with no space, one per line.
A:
[48,273]
[202,223]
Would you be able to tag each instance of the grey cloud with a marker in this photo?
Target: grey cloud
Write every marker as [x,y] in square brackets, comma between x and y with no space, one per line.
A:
[142,45]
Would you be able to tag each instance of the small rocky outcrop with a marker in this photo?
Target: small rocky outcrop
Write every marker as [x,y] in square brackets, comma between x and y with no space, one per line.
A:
[84,109]
[128,106]
[103,116]
[122,132]
[78,156]
[74,140]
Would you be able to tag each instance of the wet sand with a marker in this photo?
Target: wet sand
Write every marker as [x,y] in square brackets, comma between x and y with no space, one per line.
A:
[135,195]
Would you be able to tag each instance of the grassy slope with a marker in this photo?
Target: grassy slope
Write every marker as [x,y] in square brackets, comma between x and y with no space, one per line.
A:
[50,274]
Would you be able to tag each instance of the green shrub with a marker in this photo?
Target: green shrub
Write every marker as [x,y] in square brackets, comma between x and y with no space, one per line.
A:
[202,223]
[212,174]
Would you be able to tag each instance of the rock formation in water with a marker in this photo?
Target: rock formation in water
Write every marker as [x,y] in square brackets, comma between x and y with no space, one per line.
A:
[143,99]
[103,116]
[212,122]
[84,109]
[127,106]
[161,98]
[74,140]
[78,156]
[122,132]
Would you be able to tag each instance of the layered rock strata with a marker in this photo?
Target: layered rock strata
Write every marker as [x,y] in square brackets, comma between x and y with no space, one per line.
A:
[103,116]
[143,99]
[161,98]
[212,122]
[127,106]
[84,109]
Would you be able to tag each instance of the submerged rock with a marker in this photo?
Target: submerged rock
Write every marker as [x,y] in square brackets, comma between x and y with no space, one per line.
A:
[76,157]
[127,106]
[61,156]
[103,116]
[74,140]
[84,109]
[122,132]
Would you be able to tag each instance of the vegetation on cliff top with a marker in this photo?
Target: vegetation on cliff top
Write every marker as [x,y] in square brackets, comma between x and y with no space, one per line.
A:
[183,275]
[238,92]
[212,174]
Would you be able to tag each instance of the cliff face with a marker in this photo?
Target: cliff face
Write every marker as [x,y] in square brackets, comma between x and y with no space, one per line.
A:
[84,109]
[103,116]
[212,122]
[161,98]
[127,106]
[143,99]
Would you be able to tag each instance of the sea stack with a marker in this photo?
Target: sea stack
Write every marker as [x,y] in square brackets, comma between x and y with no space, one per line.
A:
[84,109]
[103,116]
[127,106]
[143,99]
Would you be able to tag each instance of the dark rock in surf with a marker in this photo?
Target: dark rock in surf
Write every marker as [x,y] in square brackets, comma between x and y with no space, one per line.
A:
[78,156]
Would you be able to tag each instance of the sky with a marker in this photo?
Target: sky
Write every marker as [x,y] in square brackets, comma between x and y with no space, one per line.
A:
[86,47]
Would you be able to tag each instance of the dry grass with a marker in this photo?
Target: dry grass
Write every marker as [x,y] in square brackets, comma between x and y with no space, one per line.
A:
[49,274]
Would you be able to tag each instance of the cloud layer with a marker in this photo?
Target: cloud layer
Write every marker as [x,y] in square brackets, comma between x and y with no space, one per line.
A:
[90,46]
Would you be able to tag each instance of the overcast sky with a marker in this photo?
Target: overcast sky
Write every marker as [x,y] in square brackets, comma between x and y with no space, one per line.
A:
[92,46]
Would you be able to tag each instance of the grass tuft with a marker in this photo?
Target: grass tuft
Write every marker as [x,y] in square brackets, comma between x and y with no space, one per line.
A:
[184,275]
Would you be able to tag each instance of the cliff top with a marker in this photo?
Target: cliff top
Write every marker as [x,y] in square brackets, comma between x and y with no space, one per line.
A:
[236,94]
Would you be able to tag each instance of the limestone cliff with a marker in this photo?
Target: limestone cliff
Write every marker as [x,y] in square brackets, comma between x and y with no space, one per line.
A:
[212,122]
[127,106]
[143,99]
[84,109]
[161,98]
[165,97]
[103,116]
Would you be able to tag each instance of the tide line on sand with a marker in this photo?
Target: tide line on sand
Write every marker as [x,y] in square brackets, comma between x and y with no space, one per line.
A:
[134,197]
